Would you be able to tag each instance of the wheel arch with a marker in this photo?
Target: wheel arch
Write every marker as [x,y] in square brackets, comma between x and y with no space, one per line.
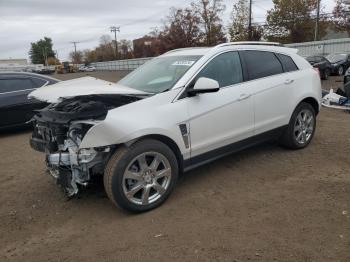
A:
[313,102]
[167,141]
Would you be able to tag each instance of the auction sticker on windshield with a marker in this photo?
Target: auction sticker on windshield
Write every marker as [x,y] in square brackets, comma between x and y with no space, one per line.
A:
[183,63]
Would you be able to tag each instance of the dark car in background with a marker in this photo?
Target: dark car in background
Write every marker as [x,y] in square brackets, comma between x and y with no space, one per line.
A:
[340,62]
[347,76]
[15,107]
[323,65]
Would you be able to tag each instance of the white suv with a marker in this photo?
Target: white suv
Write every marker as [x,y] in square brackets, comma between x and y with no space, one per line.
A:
[178,111]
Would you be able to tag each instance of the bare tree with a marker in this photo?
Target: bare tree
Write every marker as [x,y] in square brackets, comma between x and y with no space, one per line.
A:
[181,29]
[210,12]
[105,51]
[238,28]
[89,56]
[342,16]
[76,57]
[125,49]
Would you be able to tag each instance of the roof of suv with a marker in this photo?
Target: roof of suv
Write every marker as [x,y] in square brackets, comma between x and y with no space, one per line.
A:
[267,46]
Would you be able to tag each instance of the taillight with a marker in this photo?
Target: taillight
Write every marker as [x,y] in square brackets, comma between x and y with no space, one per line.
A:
[318,71]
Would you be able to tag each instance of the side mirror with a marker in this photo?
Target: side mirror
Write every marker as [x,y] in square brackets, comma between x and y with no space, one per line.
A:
[204,85]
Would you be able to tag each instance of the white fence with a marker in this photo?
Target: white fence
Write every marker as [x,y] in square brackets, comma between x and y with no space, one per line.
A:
[128,64]
[305,49]
[322,47]
[24,68]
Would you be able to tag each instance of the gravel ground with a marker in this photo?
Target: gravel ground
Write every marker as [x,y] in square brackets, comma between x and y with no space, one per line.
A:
[263,204]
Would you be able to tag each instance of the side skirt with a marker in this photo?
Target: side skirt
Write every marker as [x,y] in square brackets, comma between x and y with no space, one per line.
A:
[210,156]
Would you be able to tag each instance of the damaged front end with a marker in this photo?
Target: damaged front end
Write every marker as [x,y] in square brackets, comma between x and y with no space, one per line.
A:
[59,130]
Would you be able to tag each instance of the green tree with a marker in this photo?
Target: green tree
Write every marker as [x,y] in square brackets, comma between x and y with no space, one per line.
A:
[41,51]
[342,16]
[293,21]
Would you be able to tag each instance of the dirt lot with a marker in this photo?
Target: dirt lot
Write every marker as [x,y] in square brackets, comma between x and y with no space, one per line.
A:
[263,204]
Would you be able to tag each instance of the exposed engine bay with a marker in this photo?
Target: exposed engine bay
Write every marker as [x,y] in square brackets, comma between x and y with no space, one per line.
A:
[59,129]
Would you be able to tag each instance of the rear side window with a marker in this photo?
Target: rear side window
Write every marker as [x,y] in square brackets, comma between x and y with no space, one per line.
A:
[288,63]
[39,82]
[10,85]
[261,64]
[225,68]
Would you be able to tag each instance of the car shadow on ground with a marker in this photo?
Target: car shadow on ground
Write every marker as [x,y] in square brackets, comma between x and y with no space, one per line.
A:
[95,189]
[9,131]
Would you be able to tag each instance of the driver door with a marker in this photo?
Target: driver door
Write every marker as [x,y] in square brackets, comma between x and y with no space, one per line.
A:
[218,120]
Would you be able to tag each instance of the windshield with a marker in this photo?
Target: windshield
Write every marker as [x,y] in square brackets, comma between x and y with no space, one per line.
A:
[159,74]
[333,58]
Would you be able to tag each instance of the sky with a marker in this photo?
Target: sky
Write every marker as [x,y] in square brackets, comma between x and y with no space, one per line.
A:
[85,21]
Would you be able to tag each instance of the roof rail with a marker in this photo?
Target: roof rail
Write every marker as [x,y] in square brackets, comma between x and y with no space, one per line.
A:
[250,43]
[185,48]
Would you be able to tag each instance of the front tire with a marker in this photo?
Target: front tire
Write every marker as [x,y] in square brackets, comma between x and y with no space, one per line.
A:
[142,176]
[301,127]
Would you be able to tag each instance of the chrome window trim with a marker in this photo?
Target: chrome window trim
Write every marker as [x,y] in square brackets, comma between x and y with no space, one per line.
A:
[177,98]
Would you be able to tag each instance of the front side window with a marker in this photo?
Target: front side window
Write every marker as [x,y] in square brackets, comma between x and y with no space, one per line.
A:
[13,84]
[225,68]
[159,74]
[261,64]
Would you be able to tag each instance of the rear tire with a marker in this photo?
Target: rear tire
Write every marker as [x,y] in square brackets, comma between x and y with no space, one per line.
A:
[340,71]
[142,176]
[326,74]
[301,127]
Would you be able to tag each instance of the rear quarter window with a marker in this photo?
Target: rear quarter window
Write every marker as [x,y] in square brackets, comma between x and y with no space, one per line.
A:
[261,64]
[287,63]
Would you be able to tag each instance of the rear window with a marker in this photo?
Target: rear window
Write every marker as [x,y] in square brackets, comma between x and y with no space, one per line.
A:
[261,64]
[287,63]
[10,85]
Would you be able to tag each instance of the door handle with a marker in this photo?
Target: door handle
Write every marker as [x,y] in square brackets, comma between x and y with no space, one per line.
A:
[243,97]
[288,81]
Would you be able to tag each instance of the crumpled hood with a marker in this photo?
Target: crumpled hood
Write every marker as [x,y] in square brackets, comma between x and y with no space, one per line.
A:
[80,87]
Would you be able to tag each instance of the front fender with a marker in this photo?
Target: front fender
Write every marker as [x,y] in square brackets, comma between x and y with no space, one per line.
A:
[105,134]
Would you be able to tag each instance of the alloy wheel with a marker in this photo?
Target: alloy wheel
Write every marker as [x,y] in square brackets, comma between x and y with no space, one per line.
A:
[146,178]
[304,126]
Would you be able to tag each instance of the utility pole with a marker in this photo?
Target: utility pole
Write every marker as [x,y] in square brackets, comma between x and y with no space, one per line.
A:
[317,20]
[45,55]
[115,29]
[250,21]
[75,50]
